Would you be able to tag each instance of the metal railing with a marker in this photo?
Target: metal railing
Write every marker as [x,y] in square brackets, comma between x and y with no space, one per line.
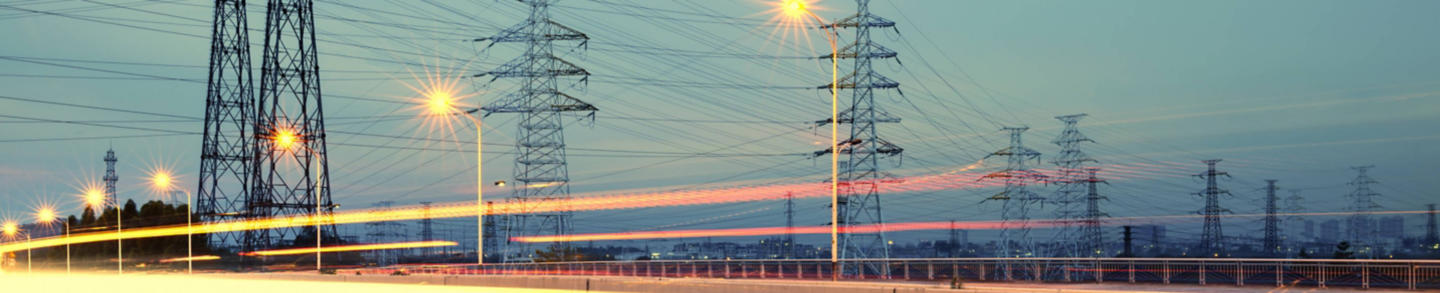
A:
[1321,273]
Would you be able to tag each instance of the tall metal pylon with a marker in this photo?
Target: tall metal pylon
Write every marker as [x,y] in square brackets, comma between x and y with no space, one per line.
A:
[384,232]
[1071,193]
[1293,208]
[1212,240]
[1092,237]
[291,177]
[540,166]
[789,225]
[1432,238]
[490,238]
[860,176]
[110,177]
[426,233]
[227,148]
[954,240]
[1272,241]
[1360,226]
[1017,199]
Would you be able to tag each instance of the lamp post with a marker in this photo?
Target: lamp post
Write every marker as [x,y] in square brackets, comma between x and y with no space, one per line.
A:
[46,215]
[11,230]
[797,8]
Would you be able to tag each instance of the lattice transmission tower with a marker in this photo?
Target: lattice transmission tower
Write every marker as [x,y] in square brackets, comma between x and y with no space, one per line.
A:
[110,177]
[426,233]
[1092,236]
[541,170]
[1360,226]
[1017,198]
[1294,206]
[227,148]
[384,232]
[860,176]
[1272,241]
[1432,238]
[291,173]
[1070,196]
[1212,240]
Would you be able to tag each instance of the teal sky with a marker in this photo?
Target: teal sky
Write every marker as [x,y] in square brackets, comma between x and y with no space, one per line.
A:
[1296,91]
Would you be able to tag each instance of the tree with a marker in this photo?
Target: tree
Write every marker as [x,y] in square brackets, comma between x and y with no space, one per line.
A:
[559,252]
[1303,254]
[1342,250]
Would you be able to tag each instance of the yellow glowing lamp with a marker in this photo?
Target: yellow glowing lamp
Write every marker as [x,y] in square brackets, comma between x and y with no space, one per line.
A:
[285,138]
[794,7]
[45,215]
[162,180]
[11,228]
[440,103]
[94,198]
[500,183]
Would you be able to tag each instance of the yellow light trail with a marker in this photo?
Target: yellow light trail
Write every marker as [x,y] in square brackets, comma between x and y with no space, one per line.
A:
[309,250]
[193,258]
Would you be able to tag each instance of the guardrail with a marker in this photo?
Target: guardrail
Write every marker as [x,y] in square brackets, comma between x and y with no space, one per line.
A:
[1321,273]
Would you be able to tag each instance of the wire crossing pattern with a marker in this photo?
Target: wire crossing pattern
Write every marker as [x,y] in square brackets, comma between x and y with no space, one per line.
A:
[1212,240]
[1071,193]
[1272,242]
[291,173]
[1360,227]
[541,171]
[228,147]
[860,177]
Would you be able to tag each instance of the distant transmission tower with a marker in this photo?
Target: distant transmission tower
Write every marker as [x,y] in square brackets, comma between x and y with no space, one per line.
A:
[1014,215]
[227,148]
[110,177]
[384,232]
[490,238]
[540,166]
[1361,230]
[1092,237]
[1071,178]
[426,234]
[1212,240]
[1293,208]
[1272,242]
[789,225]
[291,173]
[1431,237]
[860,177]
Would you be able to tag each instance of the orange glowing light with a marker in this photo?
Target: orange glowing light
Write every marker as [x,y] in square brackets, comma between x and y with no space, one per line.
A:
[398,245]
[94,197]
[285,138]
[161,180]
[794,8]
[45,215]
[194,258]
[441,103]
[11,228]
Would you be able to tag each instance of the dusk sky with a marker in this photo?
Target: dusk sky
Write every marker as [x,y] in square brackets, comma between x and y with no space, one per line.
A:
[697,95]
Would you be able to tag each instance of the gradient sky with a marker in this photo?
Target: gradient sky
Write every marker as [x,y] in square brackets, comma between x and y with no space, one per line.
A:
[1297,91]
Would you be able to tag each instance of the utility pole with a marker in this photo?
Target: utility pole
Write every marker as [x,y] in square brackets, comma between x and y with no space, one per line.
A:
[541,170]
[227,147]
[110,180]
[1431,237]
[1212,240]
[1092,237]
[1071,178]
[1014,215]
[859,178]
[1362,234]
[1129,246]
[1272,241]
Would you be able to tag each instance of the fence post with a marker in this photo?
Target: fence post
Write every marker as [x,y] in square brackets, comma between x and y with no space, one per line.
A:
[982,269]
[1365,275]
[762,269]
[743,272]
[931,274]
[1202,272]
[1132,272]
[1099,271]
[904,266]
[1165,265]
[1413,268]
[1239,273]
[1279,274]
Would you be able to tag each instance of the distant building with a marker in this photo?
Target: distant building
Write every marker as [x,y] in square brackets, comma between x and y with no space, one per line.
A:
[1309,231]
[1392,228]
[1330,231]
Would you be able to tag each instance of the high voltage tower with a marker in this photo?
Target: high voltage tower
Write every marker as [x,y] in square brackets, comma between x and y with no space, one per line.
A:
[1431,237]
[1071,192]
[1014,214]
[1293,207]
[1272,241]
[540,166]
[789,225]
[860,176]
[227,148]
[1360,227]
[384,232]
[426,233]
[489,238]
[110,177]
[1092,237]
[291,174]
[1212,240]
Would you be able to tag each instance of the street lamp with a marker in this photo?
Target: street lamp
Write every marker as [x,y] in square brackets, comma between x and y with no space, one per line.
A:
[163,181]
[96,198]
[47,215]
[798,10]
[11,230]
[286,139]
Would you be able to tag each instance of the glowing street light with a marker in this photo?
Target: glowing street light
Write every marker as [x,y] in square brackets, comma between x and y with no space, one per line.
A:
[163,182]
[45,214]
[440,102]
[96,199]
[11,229]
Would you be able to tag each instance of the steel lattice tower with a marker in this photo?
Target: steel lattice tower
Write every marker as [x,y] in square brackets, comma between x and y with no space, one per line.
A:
[540,166]
[426,233]
[110,177]
[384,232]
[1272,241]
[1212,240]
[291,174]
[490,233]
[1071,178]
[1431,237]
[1014,214]
[1092,237]
[860,176]
[228,146]
[1361,230]
[790,225]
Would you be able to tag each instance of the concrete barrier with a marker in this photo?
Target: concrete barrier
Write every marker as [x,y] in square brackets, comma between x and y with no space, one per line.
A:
[615,284]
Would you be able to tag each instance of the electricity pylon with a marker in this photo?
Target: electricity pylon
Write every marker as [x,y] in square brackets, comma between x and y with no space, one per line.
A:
[1071,193]
[228,146]
[1360,226]
[1092,237]
[860,176]
[1017,199]
[384,232]
[541,170]
[1432,238]
[291,173]
[110,178]
[1272,241]
[1293,209]
[1212,240]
